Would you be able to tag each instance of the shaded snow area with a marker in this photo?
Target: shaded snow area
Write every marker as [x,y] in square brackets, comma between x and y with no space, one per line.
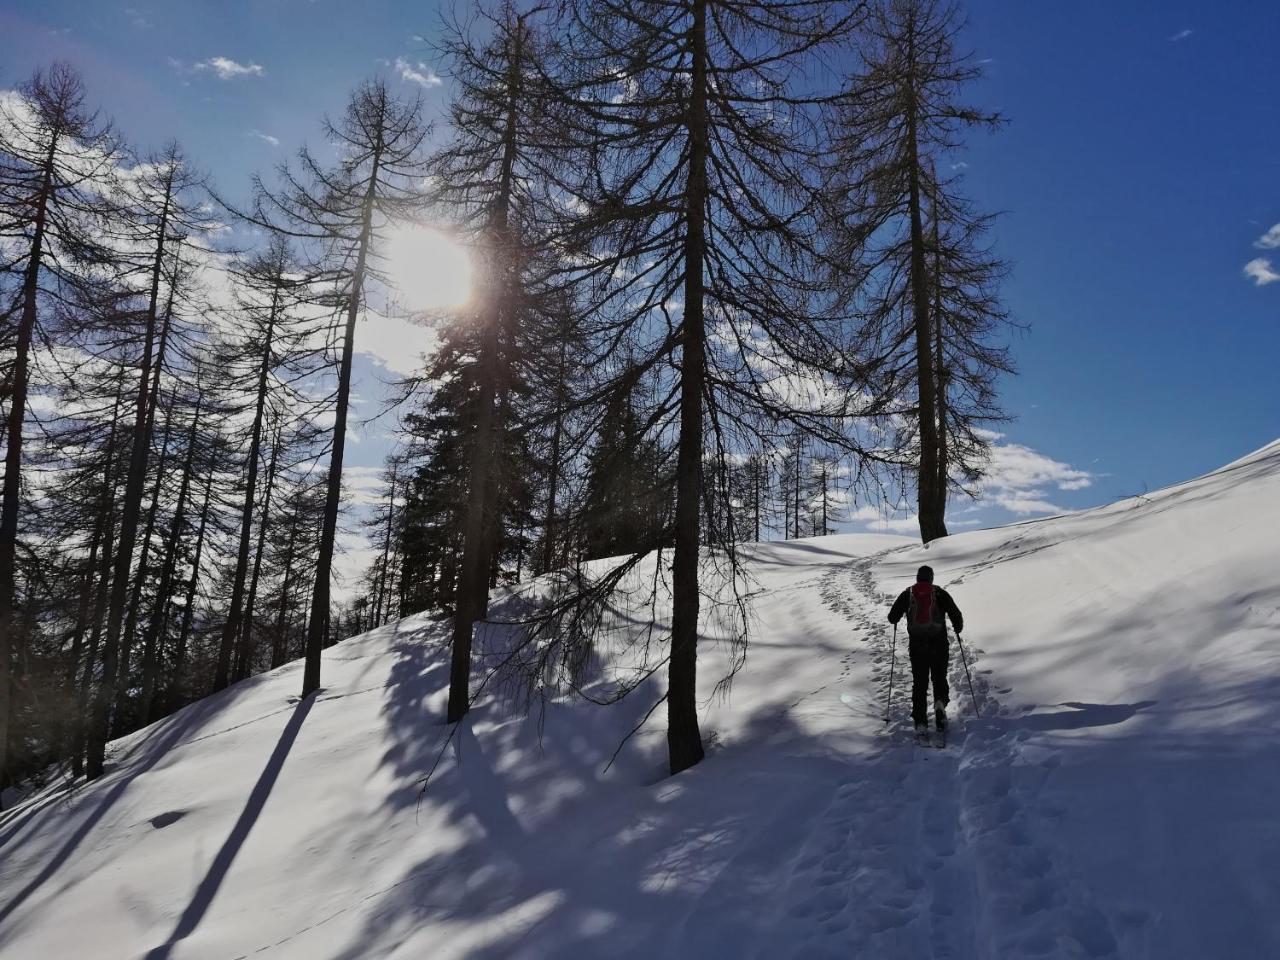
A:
[1117,796]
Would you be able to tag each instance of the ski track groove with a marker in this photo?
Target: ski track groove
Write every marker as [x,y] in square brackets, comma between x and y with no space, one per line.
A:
[929,853]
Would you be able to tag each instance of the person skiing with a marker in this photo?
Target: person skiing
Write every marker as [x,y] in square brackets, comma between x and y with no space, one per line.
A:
[926,608]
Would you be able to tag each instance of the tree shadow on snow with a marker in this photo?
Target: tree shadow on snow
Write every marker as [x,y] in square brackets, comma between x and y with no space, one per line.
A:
[208,888]
[420,671]
[601,872]
[149,749]
[1204,693]
[1081,716]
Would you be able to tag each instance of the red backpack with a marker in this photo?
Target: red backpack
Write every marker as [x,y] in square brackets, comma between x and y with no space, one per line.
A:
[924,613]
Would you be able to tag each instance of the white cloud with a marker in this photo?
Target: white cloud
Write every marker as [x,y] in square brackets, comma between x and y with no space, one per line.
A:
[363,486]
[354,556]
[394,342]
[418,73]
[226,69]
[1261,272]
[1269,240]
[265,137]
[1179,36]
[880,520]
[1014,466]
[1018,478]
[136,18]
[1024,505]
[897,525]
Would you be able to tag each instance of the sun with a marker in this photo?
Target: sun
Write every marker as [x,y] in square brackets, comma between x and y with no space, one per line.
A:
[429,269]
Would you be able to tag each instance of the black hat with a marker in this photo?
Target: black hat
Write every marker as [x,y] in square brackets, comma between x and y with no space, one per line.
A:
[925,575]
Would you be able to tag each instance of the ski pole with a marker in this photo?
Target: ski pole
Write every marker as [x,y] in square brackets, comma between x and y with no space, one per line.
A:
[965,660]
[893,660]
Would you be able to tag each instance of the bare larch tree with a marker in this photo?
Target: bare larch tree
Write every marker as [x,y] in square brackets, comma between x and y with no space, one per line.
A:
[338,213]
[57,158]
[900,121]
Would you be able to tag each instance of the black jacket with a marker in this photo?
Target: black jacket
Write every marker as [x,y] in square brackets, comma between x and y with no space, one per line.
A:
[948,606]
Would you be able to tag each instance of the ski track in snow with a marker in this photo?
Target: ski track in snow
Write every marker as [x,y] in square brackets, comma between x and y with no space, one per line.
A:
[931,853]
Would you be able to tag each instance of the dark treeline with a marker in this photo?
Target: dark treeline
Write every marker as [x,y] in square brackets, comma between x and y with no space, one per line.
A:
[725,291]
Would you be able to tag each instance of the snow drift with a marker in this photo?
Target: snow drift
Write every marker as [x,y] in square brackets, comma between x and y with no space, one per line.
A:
[1116,797]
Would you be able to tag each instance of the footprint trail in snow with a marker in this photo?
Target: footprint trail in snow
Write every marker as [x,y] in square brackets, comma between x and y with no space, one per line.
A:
[934,853]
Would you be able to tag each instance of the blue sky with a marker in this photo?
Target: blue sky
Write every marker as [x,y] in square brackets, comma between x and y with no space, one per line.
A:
[1140,167]
[1139,172]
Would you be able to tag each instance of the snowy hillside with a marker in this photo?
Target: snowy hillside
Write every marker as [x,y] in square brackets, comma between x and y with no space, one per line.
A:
[1116,799]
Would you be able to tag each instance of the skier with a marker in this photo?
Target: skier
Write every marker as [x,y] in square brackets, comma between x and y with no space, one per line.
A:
[925,606]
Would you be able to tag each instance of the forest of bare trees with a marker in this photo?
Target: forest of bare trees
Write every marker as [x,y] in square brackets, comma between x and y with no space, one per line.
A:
[728,288]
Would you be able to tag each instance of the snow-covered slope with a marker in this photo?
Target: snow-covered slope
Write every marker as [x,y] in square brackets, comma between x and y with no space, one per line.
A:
[1117,796]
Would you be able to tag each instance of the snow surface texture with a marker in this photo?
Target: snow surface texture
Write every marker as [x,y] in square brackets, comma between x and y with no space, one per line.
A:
[1116,798]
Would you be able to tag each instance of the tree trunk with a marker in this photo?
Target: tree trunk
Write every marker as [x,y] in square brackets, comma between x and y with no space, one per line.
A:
[279,648]
[306,619]
[175,694]
[393,586]
[755,487]
[684,739]
[471,592]
[825,530]
[795,490]
[557,431]
[472,598]
[58,733]
[932,522]
[109,492]
[101,711]
[144,566]
[101,546]
[150,655]
[231,629]
[13,457]
[318,621]
[244,665]
[139,580]
[386,551]
[940,360]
